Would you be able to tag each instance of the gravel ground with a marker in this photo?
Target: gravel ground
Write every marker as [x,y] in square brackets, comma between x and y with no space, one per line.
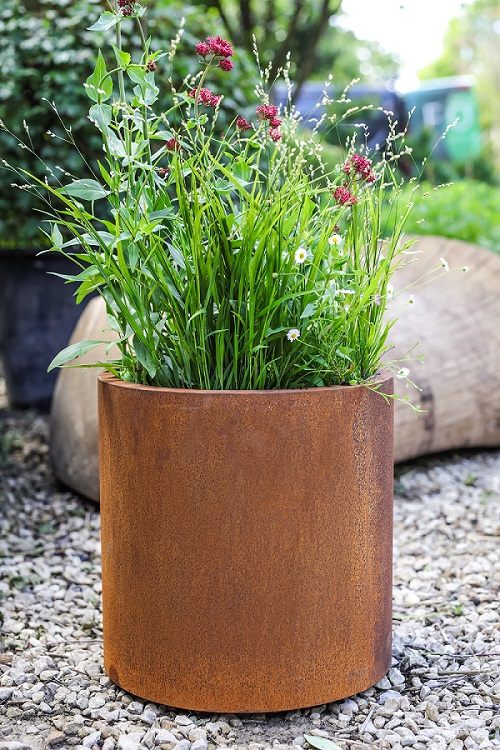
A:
[443,690]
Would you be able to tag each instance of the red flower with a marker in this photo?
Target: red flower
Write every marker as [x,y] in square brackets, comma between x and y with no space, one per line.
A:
[242,124]
[361,166]
[203,49]
[150,66]
[219,47]
[226,65]
[206,97]
[267,111]
[344,196]
[173,145]
[275,134]
[275,122]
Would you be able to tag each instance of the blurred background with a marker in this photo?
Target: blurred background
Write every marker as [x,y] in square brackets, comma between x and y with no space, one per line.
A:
[440,58]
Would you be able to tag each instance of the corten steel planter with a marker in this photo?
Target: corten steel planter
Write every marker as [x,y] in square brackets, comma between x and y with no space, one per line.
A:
[247,543]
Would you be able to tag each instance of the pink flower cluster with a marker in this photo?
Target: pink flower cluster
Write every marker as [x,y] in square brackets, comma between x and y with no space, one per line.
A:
[269,112]
[361,166]
[242,124]
[127,7]
[205,97]
[216,47]
[343,196]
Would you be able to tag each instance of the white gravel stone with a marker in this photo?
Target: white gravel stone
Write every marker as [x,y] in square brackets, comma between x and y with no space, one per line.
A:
[148,716]
[91,739]
[183,721]
[130,741]
[166,736]
[441,692]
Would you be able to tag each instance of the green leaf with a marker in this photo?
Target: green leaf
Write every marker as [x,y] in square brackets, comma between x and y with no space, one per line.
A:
[56,237]
[106,21]
[73,351]
[165,213]
[89,190]
[148,96]
[98,86]
[101,114]
[242,170]
[116,147]
[137,74]
[144,357]
[122,58]
[321,743]
[193,122]
[309,310]
[131,255]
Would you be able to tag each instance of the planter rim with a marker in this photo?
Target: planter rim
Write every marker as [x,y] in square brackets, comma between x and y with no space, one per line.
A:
[378,380]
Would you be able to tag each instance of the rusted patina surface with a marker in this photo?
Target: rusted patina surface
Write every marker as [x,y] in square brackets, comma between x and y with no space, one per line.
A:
[247,544]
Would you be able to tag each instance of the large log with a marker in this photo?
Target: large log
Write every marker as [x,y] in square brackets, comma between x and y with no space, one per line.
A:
[453,320]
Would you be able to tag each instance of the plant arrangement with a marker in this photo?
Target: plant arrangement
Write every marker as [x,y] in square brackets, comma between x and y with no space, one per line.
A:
[228,259]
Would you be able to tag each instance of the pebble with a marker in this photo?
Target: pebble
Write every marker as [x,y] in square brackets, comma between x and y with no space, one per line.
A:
[130,741]
[183,721]
[439,694]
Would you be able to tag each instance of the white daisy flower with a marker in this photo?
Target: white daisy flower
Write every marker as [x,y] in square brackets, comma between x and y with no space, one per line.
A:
[335,239]
[300,255]
[293,334]
[403,372]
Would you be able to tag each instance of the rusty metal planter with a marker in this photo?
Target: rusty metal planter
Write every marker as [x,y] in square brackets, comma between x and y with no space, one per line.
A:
[247,543]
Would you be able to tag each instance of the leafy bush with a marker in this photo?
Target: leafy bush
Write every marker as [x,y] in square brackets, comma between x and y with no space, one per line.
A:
[46,54]
[467,210]
[40,60]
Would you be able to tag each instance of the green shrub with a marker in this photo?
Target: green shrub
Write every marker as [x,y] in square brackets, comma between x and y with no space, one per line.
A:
[46,54]
[467,210]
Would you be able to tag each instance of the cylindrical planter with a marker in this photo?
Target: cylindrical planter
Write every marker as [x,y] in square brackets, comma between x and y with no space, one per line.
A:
[246,543]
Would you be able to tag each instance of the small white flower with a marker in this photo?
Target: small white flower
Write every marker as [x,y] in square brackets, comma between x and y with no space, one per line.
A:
[293,334]
[465,269]
[335,239]
[389,292]
[403,372]
[444,264]
[300,255]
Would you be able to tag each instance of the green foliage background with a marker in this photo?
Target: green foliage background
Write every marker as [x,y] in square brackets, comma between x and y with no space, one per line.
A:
[46,54]
[467,210]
